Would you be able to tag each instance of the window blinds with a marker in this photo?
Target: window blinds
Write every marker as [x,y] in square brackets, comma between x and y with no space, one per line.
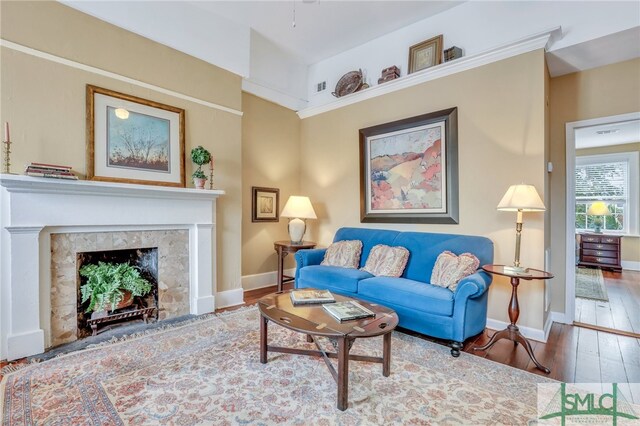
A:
[603,181]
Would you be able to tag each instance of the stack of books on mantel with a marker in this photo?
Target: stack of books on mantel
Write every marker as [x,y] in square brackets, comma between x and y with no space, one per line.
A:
[49,171]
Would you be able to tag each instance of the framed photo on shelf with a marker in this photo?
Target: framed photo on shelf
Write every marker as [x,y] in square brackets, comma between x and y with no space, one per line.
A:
[409,170]
[425,54]
[265,204]
[133,140]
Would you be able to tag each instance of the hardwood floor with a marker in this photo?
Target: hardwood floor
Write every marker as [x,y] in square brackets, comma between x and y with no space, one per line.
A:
[622,311]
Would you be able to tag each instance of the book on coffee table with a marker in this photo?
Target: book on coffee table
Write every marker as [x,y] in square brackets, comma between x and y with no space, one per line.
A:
[349,310]
[310,296]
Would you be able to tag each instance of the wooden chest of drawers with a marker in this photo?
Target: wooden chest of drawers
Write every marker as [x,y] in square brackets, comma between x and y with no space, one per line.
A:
[600,250]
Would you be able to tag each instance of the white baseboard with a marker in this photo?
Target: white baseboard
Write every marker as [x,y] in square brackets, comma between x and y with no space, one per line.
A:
[229,298]
[528,332]
[266,279]
[630,265]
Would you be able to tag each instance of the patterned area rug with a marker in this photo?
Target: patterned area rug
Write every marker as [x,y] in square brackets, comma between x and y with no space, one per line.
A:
[209,372]
[590,284]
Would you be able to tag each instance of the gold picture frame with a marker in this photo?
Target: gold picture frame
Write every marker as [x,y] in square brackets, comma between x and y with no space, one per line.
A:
[134,140]
[425,54]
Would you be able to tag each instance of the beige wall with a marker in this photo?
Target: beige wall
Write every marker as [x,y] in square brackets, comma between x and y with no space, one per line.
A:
[600,92]
[501,142]
[45,101]
[630,250]
[270,158]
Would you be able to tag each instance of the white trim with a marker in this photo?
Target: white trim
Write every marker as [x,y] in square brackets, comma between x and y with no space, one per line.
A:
[630,265]
[273,95]
[570,166]
[228,298]
[88,68]
[528,332]
[527,44]
[266,279]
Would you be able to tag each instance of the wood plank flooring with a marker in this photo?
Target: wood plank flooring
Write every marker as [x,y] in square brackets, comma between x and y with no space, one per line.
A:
[622,311]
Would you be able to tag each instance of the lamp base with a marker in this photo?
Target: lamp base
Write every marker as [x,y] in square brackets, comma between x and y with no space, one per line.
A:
[297,228]
[515,269]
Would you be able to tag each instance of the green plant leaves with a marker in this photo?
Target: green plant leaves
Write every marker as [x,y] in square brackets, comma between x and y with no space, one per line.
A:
[106,283]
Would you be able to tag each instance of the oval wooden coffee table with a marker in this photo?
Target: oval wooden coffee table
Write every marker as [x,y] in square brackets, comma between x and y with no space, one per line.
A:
[313,320]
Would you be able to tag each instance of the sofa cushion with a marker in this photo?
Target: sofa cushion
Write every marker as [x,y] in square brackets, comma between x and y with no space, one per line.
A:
[345,254]
[409,294]
[450,269]
[386,261]
[332,277]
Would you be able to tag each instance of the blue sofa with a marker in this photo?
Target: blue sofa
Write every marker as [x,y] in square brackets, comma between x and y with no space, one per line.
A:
[422,307]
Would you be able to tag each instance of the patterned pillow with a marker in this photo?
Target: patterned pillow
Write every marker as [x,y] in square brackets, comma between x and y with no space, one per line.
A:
[345,254]
[450,269]
[386,261]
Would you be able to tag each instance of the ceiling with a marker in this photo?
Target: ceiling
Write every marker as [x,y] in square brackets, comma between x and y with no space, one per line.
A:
[608,134]
[324,28]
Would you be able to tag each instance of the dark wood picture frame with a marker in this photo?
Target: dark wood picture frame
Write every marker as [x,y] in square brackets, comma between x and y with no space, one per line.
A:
[263,216]
[444,123]
[98,152]
[434,43]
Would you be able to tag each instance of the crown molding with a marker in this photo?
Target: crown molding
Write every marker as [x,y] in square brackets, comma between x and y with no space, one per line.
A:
[541,40]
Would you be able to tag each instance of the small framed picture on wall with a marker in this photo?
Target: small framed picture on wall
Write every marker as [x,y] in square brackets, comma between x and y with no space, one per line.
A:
[265,204]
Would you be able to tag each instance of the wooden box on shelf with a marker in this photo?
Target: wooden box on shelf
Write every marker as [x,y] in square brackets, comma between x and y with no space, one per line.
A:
[600,250]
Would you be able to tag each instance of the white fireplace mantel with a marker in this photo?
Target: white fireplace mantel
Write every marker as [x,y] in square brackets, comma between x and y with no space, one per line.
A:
[32,209]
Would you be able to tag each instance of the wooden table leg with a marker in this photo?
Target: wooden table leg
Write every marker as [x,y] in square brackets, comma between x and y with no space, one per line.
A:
[386,355]
[280,269]
[263,339]
[343,373]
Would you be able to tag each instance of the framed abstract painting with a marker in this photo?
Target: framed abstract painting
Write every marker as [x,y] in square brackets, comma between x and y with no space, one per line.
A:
[265,204]
[409,170]
[133,140]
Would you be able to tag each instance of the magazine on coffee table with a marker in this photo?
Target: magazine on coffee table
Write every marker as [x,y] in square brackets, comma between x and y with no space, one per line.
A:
[349,310]
[311,296]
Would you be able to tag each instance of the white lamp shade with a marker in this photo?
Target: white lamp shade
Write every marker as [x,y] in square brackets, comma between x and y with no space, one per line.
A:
[521,197]
[599,208]
[298,207]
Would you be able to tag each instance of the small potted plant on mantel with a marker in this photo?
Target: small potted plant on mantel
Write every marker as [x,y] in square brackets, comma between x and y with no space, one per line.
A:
[111,286]
[200,156]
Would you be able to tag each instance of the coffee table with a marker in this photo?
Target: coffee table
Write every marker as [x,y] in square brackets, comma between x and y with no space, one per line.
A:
[313,321]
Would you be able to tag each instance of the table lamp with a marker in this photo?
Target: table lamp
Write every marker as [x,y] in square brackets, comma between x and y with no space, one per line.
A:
[298,208]
[520,198]
[598,209]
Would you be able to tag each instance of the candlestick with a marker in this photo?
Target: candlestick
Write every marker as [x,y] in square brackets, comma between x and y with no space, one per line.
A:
[7,157]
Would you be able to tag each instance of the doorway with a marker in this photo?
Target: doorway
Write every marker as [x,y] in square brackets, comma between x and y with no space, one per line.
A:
[603,241]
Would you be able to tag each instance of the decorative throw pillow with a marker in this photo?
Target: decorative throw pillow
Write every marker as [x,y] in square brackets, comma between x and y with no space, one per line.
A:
[345,254]
[386,261]
[450,269]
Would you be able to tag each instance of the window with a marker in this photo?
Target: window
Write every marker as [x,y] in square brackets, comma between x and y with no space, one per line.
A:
[612,178]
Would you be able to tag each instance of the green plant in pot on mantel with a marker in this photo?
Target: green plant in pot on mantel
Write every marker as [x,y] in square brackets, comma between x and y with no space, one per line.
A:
[111,286]
[200,156]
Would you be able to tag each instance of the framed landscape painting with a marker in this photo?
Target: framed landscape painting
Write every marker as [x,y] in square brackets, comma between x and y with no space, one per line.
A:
[133,140]
[265,204]
[409,170]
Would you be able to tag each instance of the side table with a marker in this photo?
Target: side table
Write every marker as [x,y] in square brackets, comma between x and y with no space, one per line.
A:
[512,332]
[283,248]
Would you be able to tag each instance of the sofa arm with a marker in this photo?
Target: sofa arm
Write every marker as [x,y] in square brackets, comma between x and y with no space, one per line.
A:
[309,257]
[473,286]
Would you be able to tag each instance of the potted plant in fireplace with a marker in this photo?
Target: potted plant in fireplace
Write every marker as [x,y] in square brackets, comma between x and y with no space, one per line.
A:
[111,286]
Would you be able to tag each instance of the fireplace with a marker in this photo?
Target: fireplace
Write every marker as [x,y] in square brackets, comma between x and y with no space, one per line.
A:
[46,222]
[131,307]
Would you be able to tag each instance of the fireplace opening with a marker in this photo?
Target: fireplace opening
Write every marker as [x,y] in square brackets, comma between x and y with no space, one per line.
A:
[137,267]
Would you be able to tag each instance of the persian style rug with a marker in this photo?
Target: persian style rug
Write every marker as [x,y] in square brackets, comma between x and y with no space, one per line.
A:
[208,372]
[590,284]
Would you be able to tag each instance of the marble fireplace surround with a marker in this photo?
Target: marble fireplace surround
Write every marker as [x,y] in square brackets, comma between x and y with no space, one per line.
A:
[32,209]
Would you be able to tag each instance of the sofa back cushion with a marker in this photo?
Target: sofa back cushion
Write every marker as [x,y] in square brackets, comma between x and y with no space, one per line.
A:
[369,238]
[426,247]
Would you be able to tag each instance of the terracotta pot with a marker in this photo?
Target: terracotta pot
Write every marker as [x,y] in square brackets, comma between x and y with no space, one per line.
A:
[199,183]
[127,300]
